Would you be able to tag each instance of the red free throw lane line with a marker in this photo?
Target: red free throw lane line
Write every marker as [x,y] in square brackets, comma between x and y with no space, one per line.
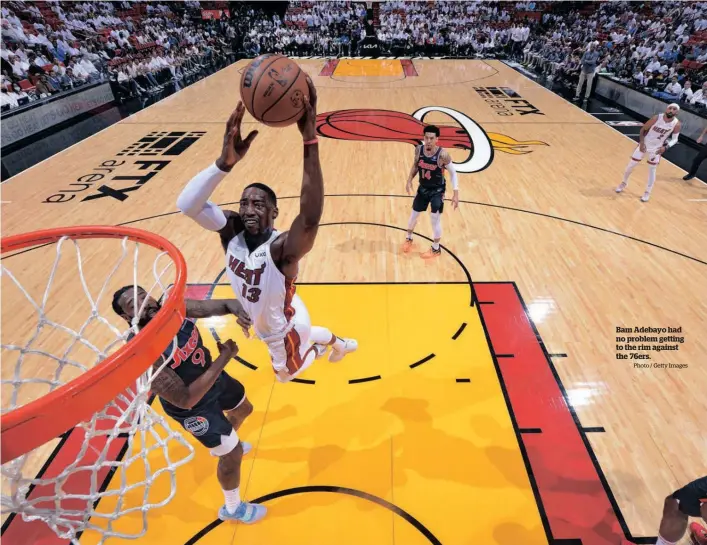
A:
[408,68]
[573,497]
[19,532]
[329,67]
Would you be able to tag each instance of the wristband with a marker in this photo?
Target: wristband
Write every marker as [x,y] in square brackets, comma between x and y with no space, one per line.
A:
[312,141]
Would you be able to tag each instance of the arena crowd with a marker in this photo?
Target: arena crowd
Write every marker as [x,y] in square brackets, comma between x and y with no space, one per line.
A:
[143,48]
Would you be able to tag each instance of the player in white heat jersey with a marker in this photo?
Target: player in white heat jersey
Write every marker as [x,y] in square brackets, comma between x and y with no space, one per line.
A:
[654,141]
[262,263]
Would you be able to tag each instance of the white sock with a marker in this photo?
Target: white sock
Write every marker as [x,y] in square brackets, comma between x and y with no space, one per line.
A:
[320,335]
[412,221]
[233,499]
[436,221]
[662,541]
[631,165]
[651,179]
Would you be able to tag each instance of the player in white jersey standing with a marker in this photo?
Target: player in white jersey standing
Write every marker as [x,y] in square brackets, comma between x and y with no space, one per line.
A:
[262,263]
[654,141]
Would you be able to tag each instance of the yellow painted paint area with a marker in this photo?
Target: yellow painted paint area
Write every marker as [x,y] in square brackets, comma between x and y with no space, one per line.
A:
[443,452]
[369,67]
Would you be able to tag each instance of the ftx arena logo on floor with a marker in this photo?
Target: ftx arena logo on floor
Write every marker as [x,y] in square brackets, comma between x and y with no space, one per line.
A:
[506,102]
[116,179]
[131,168]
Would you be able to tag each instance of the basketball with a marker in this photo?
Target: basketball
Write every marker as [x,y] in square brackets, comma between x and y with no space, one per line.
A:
[273,88]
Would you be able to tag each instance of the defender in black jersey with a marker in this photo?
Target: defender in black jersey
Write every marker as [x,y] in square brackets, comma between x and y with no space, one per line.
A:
[430,163]
[689,501]
[195,390]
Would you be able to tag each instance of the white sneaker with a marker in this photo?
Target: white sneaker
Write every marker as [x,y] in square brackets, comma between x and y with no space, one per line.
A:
[350,345]
[247,513]
[621,187]
[320,350]
[646,196]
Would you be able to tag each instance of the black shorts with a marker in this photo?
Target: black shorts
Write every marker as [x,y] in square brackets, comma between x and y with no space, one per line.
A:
[429,197]
[207,422]
[692,496]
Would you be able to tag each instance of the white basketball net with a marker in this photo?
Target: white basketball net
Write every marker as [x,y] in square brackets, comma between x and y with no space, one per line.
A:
[80,497]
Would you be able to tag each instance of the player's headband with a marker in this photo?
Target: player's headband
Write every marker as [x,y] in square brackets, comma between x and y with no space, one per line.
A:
[674,105]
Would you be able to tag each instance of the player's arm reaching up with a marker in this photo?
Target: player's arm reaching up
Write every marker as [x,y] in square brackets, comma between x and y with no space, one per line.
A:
[194,199]
[294,244]
[413,171]
[644,131]
[446,161]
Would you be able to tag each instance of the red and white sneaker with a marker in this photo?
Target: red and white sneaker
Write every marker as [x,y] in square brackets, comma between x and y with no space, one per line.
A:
[698,534]
[407,245]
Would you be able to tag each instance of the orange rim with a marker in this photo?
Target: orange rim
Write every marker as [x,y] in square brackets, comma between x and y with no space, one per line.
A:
[44,419]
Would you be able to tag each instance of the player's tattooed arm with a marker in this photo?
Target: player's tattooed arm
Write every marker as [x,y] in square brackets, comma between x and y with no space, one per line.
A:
[293,245]
[413,171]
[644,131]
[219,307]
[445,158]
[169,386]
[234,225]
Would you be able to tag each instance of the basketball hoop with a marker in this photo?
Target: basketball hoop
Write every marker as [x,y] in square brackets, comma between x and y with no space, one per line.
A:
[109,401]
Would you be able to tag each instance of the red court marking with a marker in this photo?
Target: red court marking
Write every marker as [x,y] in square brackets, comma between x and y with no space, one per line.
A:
[409,68]
[19,532]
[197,291]
[329,67]
[572,494]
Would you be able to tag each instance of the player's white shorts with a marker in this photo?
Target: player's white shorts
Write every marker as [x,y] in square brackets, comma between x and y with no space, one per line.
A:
[294,352]
[653,155]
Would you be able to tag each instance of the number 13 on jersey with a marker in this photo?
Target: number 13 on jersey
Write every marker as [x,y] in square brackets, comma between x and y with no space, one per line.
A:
[251,294]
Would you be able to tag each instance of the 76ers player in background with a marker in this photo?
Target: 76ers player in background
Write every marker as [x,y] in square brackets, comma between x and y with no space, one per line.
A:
[262,263]
[430,163]
[198,393]
[689,501]
[654,141]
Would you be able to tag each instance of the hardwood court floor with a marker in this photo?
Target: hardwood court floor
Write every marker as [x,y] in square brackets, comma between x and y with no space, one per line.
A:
[502,422]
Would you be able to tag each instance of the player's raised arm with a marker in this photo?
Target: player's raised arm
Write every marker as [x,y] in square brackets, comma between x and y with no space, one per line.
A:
[194,199]
[300,238]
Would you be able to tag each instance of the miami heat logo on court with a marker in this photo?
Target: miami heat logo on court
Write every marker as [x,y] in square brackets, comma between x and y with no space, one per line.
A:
[391,126]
